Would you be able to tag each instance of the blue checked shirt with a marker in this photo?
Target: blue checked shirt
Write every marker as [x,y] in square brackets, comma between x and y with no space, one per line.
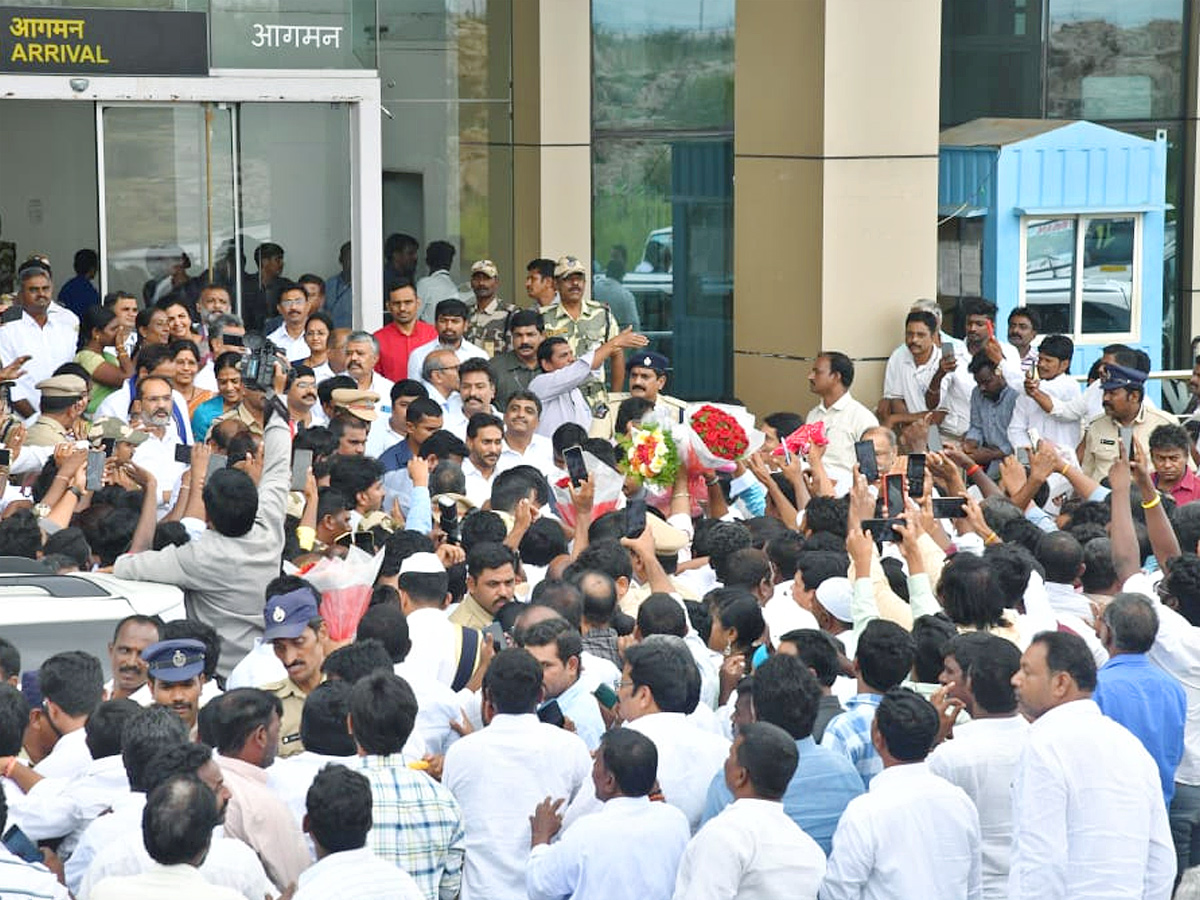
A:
[849,733]
[416,824]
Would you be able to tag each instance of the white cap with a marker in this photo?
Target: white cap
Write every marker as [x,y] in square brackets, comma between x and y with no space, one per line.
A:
[422,562]
[835,594]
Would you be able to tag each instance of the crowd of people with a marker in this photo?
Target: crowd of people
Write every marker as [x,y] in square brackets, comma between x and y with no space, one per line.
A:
[945,647]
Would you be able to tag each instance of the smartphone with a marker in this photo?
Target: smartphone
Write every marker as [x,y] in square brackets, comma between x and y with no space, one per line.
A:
[949,507]
[183,454]
[947,350]
[1034,439]
[496,630]
[934,440]
[606,696]
[882,530]
[635,518]
[787,454]
[448,519]
[864,451]
[19,844]
[301,463]
[216,461]
[95,470]
[576,468]
[893,491]
[916,475]
[551,714]
[1023,455]
[5,457]
[991,330]
[1126,433]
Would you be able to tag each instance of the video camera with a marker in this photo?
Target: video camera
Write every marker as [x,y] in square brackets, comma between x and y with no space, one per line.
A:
[258,365]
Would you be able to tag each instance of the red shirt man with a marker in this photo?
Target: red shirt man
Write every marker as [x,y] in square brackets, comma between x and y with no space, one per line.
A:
[405,333]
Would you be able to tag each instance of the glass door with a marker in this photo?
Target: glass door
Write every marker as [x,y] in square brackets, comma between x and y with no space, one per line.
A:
[168,198]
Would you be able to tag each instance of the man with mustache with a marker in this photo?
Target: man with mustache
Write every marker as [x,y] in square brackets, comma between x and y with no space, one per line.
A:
[176,677]
[296,631]
[133,634]
[1124,406]
[485,436]
[156,454]
[517,367]
[302,396]
[523,446]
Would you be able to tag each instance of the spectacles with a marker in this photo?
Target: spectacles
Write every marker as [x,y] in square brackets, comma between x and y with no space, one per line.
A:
[625,683]
[293,301]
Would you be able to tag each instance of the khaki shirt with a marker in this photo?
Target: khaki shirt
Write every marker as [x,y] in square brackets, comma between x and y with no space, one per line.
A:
[594,326]
[669,409]
[1101,445]
[47,432]
[243,415]
[486,328]
[293,705]
[471,615]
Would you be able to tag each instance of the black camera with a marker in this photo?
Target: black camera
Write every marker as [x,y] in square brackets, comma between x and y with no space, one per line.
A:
[258,365]
[448,519]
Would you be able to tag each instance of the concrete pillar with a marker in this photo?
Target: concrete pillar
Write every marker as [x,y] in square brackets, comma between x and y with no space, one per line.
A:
[835,187]
[552,133]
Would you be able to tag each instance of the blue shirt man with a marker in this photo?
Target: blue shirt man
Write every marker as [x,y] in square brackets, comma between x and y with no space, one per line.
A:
[1134,692]
[786,693]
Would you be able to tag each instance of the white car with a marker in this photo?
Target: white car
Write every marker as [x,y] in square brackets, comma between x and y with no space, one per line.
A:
[42,614]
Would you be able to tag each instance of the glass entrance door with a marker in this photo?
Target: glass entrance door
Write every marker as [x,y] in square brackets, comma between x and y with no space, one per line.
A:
[167,194]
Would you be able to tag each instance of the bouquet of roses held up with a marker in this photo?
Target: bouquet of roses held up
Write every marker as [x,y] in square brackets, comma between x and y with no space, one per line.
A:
[650,455]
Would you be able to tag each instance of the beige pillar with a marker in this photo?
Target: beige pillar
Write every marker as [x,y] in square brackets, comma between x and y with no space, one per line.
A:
[835,197]
[1187,235]
[552,127]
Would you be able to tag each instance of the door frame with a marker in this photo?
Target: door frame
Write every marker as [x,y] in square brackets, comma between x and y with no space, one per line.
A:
[359,89]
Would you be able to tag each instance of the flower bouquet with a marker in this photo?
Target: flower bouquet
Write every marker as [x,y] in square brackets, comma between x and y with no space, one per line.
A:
[345,586]
[720,435]
[606,491]
[650,455]
[802,439]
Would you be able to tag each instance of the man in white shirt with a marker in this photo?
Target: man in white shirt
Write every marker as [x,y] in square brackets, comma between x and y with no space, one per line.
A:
[362,353]
[439,376]
[1050,397]
[1024,323]
[157,453]
[338,820]
[630,850]
[220,326]
[451,324]
[909,372]
[38,331]
[752,848]
[523,446]
[293,306]
[177,829]
[660,686]
[388,431]
[912,834]
[982,758]
[562,374]
[448,652]
[1079,769]
[845,418]
[72,686]
[438,285]
[504,770]
[485,434]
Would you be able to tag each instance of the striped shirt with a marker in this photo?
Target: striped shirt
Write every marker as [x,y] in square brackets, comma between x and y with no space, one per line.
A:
[20,880]
[850,734]
[416,824]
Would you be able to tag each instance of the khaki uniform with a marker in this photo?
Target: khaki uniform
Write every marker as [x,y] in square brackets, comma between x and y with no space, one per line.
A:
[47,432]
[293,705]
[670,409]
[486,328]
[243,415]
[1102,444]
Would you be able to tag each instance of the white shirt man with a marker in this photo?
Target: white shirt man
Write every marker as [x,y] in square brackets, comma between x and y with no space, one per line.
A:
[1062,425]
[28,881]
[501,772]
[912,834]
[48,345]
[1088,813]
[845,418]
[437,707]
[464,351]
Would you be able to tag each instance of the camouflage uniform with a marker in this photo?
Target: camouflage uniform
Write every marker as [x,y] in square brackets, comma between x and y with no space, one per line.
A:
[486,327]
[595,325]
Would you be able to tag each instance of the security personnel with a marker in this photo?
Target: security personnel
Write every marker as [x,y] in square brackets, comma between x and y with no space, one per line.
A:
[175,676]
[1124,406]
[487,325]
[64,399]
[647,377]
[586,325]
[297,632]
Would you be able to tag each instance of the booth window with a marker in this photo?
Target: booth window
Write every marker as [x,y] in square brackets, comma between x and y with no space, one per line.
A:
[1080,274]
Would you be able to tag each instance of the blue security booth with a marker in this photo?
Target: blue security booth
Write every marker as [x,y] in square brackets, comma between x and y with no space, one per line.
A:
[1064,217]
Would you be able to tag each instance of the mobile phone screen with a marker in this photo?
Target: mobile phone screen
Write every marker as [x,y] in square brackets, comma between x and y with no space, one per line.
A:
[916,475]
[934,441]
[95,470]
[635,518]
[576,468]
[894,491]
[1126,433]
[301,463]
[551,714]
[5,457]
[183,454]
[949,507]
[881,530]
[864,451]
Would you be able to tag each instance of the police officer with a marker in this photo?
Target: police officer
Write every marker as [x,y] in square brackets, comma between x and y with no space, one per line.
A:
[297,632]
[175,676]
[64,398]
[1124,407]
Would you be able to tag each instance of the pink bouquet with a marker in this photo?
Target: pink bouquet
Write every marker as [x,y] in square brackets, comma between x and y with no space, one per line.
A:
[803,438]
[607,493]
[345,586]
